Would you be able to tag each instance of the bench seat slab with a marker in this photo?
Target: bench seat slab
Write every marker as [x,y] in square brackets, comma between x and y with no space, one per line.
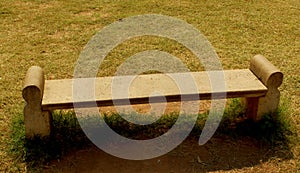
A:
[58,94]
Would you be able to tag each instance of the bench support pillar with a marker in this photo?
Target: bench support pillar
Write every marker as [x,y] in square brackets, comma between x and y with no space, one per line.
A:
[37,121]
[272,78]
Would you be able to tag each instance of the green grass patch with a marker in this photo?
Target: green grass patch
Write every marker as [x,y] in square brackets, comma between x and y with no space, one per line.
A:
[273,128]
[67,135]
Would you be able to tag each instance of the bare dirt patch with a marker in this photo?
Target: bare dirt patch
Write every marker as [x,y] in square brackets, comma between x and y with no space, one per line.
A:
[222,153]
[219,154]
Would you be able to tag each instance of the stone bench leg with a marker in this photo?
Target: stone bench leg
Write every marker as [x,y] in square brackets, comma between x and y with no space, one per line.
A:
[37,121]
[272,78]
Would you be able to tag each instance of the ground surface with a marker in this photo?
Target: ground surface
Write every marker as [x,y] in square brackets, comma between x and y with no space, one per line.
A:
[219,154]
[52,34]
[222,153]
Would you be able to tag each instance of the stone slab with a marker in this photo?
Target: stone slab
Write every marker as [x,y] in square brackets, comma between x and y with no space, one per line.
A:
[239,83]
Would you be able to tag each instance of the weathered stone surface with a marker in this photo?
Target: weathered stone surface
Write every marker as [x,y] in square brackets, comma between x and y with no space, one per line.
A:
[259,85]
[239,83]
[269,75]
[272,78]
[37,122]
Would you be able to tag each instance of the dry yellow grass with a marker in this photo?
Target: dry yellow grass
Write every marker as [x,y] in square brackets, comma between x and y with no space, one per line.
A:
[52,33]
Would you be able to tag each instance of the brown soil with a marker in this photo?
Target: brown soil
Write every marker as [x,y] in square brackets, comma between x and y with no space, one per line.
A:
[219,154]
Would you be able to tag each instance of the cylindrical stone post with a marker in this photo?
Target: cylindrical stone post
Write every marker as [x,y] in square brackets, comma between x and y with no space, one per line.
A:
[272,78]
[37,122]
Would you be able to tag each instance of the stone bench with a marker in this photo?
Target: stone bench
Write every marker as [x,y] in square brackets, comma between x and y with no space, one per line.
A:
[258,85]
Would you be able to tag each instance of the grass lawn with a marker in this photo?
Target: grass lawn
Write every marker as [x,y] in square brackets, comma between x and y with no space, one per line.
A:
[52,34]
